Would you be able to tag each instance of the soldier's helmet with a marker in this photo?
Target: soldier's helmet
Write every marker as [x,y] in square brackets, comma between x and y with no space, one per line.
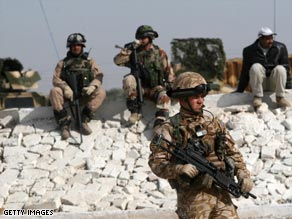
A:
[145,31]
[189,84]
[76,38]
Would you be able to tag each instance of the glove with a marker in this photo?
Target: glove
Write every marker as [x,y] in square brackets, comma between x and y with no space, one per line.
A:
[188,169]
[136,44]
[125,52]
[245,182]
[246,185]
[133,45]
[90,89]
[68,93]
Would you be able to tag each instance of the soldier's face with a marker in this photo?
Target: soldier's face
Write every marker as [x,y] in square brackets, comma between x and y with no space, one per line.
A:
[144,41]
[196,102]
[76,49]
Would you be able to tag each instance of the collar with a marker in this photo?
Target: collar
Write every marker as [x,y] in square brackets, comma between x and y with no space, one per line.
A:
[185,113]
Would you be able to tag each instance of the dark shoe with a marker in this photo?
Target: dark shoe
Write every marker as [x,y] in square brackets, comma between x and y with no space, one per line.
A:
[86,130]
[65,132]
[64,122]
[282,102]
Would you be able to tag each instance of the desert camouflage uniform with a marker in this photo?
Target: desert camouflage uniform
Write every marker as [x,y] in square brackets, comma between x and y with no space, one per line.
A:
[93,101]
[156,62]
[194,200]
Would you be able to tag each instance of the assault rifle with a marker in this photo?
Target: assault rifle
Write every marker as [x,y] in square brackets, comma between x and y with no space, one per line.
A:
[73,84]
[135,70]
[192,154]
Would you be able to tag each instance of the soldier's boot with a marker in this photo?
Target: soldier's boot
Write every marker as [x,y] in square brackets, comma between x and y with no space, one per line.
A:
[134,117]
[65,132]
[86,130]
[257,101]
[282,102]
[86,117]
[64,121]
[160,117]
[135,108]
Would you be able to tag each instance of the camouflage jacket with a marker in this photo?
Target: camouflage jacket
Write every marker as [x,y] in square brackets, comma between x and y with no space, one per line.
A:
[154,60]
[58,80]
[164,165]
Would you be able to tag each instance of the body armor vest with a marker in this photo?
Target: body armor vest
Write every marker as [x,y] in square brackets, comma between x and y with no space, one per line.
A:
[80,66]
[152,72]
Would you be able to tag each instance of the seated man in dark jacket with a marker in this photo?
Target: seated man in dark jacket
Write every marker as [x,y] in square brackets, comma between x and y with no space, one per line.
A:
[265,68]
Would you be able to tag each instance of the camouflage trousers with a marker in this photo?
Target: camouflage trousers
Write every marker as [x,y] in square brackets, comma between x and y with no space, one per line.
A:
[93,101]
[156,94]
[205,203]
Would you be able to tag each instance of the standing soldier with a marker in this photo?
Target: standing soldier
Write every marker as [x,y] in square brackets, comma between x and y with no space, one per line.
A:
[154,72]
[89,81]
[197,195]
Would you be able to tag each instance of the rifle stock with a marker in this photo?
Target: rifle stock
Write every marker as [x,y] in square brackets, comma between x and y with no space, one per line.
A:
[204,166]
[72,82]
[136,72]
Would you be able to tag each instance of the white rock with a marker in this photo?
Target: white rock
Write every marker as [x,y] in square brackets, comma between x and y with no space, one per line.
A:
[39,148]
[7,121]
[120,203]
[124,175]
[8,176]
[60,145]
[288,161]
[17,197]
[276,125]
[268,152]
[31,140]
[30,173]
[48,140]
[24,129]
[119,154]
[131,137]
[287,123]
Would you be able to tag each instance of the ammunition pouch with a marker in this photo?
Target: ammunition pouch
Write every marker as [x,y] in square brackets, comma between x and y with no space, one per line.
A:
[151,71]
[145,77]
[220,145]
[79,66]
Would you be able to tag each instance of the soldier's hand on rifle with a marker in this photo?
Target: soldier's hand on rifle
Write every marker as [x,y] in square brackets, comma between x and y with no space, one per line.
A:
[245,182]
[136,44]
[68,93]
[90,89]
[133,45]
[188,169]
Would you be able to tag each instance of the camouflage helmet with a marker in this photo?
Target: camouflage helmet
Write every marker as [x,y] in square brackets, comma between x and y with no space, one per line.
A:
[189,84]
[76,38]
[145,31]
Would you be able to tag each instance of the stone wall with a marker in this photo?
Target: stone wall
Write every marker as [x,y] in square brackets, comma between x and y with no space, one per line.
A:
[107,175]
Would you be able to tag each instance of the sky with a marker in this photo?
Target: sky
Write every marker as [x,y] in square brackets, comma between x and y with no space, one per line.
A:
[35,31]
